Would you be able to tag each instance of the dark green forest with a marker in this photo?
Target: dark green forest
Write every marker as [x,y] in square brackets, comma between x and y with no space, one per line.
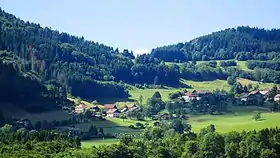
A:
[241,43]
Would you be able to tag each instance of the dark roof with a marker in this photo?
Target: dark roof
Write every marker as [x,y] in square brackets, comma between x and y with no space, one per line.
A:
[190,95]
[200,92]
[94,107]
[110,106]
[244,95]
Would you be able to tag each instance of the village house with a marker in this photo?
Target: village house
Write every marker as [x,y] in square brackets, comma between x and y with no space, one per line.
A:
[277,98]
[113,113]
[190,97]
[254,97]
[265,91]
[200,93]
[81,108]
[129,107]
[110,106]
[194,95]
[244,97]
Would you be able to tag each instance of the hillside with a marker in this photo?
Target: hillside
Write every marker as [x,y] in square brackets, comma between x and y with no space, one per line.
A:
[21,91]
[85,68]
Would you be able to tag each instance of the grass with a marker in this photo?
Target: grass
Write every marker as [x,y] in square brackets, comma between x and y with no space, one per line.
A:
[208,85]
[240,64]
[114,126]
[58,115]
[239,120]
[254,83]
[98,142]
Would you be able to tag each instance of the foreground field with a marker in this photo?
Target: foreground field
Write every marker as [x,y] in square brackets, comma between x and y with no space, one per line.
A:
[98,142]
[240,119]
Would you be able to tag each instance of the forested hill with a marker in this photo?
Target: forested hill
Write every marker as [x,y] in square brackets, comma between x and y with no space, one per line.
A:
[242,43]
[85,68]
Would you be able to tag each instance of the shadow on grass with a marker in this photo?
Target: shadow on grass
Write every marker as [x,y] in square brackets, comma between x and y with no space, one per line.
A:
[261,119]
[114,100]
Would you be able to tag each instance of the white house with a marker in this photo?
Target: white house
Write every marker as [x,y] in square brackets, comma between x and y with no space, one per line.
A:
[277,98]
[189,97]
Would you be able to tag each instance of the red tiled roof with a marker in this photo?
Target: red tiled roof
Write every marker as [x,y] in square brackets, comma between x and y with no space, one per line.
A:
[254,92]
[110,106]
[111,111]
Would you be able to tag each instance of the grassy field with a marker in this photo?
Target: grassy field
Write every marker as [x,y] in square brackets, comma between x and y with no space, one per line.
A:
[98,142]
[208,85]
[239,120]
[254,83]
[240,64]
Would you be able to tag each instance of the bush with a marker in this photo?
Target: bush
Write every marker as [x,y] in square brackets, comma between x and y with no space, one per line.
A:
[139,125]
[257,116]
[131,126]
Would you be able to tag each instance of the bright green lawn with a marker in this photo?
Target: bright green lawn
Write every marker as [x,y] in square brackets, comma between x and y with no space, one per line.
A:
[254,83]
[98,142]
[239,120]
[114,125]
[208,85]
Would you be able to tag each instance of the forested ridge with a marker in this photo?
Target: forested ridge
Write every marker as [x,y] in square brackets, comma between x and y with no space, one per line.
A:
[91,70]
[242,43]
[78,64]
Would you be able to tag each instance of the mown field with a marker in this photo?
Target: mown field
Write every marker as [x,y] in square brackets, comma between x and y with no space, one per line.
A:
[98,142]
[199,85]
[239,119]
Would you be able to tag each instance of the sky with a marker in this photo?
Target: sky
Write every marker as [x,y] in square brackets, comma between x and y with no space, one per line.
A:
[141,25]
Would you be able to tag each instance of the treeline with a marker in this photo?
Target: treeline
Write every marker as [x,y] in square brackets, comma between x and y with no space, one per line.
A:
[23,143]
[274,65]
[203,71]
[24,90]
[167,141]
[261,75]
[241,43]
[228,63]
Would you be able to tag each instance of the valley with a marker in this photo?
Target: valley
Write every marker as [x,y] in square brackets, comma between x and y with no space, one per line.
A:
[217,95]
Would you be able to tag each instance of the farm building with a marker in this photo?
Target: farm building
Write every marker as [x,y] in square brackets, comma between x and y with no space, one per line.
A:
[113,113]
[265,91]
[195,95]
[110,106]
[277,98]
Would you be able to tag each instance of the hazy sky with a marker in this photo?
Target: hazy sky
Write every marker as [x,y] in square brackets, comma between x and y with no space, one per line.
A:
[145,24]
